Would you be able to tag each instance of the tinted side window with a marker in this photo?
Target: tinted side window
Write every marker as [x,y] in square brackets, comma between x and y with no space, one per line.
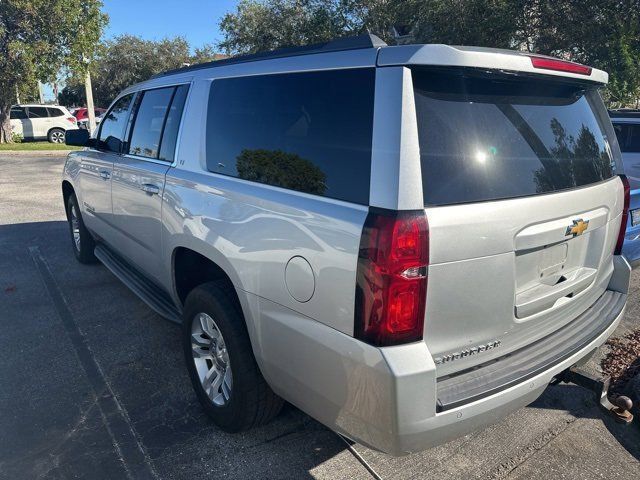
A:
[628,136]
[112,127]
[172,125]
[55,112]
[37,112]
[17,113]
[147,127]
[309,132]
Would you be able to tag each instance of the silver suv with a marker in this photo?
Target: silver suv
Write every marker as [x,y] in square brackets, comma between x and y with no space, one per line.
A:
[407,243]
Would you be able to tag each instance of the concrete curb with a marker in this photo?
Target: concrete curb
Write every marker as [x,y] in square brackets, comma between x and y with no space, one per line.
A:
[35,153]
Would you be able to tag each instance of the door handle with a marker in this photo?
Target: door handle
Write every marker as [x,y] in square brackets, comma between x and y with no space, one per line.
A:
[105,174]
[150,188]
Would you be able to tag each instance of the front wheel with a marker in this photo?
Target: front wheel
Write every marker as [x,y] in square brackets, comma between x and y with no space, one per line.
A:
[81,240]
[220,361]
[56,135]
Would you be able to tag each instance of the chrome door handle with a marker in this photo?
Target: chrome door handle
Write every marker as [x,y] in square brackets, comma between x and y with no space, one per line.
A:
[150,188]
[105,174]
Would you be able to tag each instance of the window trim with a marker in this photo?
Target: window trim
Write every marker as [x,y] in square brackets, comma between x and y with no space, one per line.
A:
[131,123]
[134,118]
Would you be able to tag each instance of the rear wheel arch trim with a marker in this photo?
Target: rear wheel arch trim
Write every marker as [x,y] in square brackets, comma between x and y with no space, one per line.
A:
[181,297]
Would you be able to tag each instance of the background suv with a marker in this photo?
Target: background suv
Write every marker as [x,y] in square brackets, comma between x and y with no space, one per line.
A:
[407,243]
[626,123]
[38,122]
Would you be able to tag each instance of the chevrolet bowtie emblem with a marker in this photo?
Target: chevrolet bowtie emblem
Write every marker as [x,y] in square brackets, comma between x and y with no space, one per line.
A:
[578,228]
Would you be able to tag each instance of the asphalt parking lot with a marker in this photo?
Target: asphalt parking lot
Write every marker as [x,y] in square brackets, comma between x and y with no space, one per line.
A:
[92,385]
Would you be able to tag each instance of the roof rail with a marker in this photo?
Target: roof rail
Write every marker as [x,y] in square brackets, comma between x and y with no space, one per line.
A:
[357,42]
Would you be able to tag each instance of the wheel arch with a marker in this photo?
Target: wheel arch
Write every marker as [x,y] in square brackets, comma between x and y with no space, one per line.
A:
[67,191]
[190,268]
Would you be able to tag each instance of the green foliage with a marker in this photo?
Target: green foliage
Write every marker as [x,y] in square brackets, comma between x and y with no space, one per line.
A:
[266,25]
[286,170]
[128,59]
[16,137]
[601,33]
[37,38]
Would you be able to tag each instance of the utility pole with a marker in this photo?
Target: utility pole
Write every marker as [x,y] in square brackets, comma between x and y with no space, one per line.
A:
[40,92]
[90,110]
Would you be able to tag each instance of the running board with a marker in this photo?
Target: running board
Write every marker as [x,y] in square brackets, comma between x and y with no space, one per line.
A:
[148,292]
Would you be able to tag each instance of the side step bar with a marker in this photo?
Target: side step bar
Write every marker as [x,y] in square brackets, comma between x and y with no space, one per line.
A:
[148,292]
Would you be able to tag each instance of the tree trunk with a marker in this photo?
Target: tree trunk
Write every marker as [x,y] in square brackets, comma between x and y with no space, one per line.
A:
[5,126]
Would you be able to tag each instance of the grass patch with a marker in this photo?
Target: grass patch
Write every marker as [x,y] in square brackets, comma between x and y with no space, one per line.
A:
[35,146]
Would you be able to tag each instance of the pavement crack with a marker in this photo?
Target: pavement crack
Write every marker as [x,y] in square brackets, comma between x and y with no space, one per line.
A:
[511,464]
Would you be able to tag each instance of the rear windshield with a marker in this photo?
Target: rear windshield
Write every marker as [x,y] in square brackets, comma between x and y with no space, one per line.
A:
[487,137]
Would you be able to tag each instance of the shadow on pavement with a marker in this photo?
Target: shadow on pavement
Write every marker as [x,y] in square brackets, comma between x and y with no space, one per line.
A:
[582,403]
[58,422]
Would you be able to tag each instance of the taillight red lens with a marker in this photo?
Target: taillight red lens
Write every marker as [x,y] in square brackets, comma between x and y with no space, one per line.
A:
[560,65]
[71,119]
[391,283]
[625,214]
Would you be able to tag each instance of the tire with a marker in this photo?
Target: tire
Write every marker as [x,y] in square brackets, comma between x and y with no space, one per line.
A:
[82,242]
[56,135]
[246,400]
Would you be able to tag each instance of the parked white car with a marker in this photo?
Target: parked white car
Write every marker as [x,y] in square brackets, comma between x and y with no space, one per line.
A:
[37,122]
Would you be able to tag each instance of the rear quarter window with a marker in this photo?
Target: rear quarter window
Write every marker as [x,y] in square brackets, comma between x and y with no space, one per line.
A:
[309,132]
[486,137]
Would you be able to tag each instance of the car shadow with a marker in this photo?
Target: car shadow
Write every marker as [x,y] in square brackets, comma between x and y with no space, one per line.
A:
[583,403]
[141,358]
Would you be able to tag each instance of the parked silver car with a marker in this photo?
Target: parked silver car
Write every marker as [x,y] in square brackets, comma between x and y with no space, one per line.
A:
[407,243]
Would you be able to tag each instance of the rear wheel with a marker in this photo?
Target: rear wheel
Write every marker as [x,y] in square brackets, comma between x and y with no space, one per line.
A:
[81,240]
[220,361]
[56,135]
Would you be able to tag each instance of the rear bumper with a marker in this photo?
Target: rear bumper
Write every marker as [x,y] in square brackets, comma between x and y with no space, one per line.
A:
[415,434]
[386,398]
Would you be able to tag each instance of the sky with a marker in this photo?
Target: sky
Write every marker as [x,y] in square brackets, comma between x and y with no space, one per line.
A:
[195,20]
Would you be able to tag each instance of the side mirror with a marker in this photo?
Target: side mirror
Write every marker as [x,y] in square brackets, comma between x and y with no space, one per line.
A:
[79,138]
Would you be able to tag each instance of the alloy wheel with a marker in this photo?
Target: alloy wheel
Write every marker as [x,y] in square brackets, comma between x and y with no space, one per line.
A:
[211,359]
[75,227]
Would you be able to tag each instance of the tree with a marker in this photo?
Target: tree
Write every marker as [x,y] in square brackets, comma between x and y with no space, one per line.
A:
[128,59]
[35,46]
[266,25]
[601,33]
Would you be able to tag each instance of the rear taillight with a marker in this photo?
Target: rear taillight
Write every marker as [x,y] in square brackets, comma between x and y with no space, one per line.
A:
[560,65]
[71,119]
[391,283]
[625,214]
